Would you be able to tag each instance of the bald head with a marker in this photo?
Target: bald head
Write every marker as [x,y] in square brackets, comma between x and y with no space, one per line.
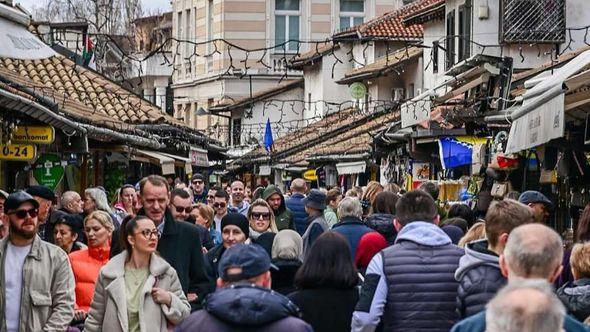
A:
[525,306]
[298,186]
[533,251]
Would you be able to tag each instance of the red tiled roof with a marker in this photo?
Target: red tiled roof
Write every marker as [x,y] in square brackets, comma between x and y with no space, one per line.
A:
[391,25]
[428,9]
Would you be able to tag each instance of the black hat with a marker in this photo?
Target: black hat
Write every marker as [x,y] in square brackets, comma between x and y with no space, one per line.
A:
[315,200]
[16,199]
[251,258]
[71,220]
[236,219]
[198,176]
[41,191]
[532,196]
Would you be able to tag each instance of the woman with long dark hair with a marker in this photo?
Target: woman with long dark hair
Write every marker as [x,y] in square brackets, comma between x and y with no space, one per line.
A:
[326,283]
[139,280]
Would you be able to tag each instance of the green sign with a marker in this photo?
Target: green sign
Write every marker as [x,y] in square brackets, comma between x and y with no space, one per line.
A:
[48,170]
[358,90]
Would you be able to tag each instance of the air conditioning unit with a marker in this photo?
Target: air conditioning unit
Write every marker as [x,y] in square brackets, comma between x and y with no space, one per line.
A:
[398,94]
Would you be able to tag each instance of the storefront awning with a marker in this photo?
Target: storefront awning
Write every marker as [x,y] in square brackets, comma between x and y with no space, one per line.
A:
[540,118]
[158,158]
[184,161]
[355,167]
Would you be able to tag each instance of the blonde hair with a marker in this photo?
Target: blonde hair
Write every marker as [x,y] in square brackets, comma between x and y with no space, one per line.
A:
[206,212]
[272,223]
[580,259]
[103,218]
[373,188]
[476,232]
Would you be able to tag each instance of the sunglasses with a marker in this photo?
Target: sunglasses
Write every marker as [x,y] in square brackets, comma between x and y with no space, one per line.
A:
[180,209]
[22,214]
[258,215]
[219,205]
[197,182]
[149,233]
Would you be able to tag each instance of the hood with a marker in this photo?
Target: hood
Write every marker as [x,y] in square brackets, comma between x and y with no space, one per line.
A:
[476,254]
[424,233]
[248,305]
[269,191]
[382,223]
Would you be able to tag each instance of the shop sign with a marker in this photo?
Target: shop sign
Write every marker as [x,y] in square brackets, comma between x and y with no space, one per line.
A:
[34,134]
[358,90]
[48,170]
[199,157]
[310,175]
[18,152]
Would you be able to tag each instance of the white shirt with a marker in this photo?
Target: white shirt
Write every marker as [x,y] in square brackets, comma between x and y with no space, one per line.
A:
[14,260]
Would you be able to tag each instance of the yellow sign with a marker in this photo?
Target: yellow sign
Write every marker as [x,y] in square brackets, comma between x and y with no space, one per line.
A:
[18,152]
[310,175]
[34,134]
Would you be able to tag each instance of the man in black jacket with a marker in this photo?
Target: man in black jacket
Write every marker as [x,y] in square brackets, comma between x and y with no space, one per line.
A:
[180,243]
[479,274]
[243,300]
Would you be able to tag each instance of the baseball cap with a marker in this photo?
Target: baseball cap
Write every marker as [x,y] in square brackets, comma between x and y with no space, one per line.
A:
[198,176]
[533,196]
[251,258]
[15,200]
[41,191]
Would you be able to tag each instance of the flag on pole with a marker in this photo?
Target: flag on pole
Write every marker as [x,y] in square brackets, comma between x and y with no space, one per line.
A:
[268,140]
[88,53]
[458,151]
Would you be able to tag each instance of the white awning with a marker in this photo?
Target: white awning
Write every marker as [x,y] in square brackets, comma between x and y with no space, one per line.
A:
[165,162]
[18,43]
[188,168]
[264,170]
[355,167]
[540,118]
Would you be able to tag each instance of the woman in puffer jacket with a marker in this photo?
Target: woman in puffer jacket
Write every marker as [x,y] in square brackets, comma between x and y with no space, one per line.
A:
[576,295]
[381,220]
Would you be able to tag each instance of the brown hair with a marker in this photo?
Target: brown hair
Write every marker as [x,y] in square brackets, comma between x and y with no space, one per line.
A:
[206,212]
[415,205]
[332,195]
[128,227]
[373,188]
[154,180]
[580,259]
[476,232]
[504,216]
[583,231]
[384,202]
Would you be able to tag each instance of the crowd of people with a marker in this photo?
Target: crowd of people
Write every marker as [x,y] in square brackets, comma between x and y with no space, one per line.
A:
[167,255]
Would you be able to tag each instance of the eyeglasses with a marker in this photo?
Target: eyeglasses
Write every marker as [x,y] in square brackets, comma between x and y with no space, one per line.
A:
[197,182]
[148,233]
[22,214]
[180,209]
[219,205]
[258,215]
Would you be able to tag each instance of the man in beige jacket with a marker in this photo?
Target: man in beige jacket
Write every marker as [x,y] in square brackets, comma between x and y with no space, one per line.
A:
[35,276]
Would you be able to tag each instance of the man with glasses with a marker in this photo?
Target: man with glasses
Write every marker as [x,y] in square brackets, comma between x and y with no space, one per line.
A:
[237,197]
[221,207]
[37,281]
[46,198]
[180,207]
[211,195]
[198,187]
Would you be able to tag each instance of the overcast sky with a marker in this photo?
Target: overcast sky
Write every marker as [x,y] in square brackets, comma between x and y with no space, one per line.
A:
[148,5]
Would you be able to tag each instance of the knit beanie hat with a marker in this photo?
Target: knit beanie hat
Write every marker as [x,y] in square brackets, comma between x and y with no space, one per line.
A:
[236,219]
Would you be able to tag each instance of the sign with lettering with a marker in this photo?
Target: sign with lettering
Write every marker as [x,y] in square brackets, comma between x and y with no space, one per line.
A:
[48,170]
[199,157]
[34,134]
[18,152]
[538,126]
[310,175]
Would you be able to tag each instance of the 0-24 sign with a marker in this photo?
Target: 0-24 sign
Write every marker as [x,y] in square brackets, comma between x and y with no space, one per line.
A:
[18,152]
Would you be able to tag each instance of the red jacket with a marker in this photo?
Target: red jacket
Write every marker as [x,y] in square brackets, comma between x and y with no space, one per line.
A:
[86,264]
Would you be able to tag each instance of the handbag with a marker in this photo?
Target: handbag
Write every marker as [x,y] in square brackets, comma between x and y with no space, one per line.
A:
[548,176]
[500,189]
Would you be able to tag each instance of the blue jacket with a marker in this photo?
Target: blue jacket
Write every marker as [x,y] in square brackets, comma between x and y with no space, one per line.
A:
[479,278]
[352,229]
[410,286]
[244,307]
[295,205]
[477,323]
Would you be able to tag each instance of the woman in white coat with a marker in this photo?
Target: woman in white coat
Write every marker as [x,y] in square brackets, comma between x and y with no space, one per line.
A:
[137,290]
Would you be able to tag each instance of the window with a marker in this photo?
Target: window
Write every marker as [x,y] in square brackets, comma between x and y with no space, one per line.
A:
[179,30]
[287,24]
[538,21]
[450,40]
[351,13]
[465,30]
[187,33]
[210,35]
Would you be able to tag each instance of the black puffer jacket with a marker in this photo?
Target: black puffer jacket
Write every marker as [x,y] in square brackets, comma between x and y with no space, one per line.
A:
[245,308]
[383,224]
[479,278]
[576,298]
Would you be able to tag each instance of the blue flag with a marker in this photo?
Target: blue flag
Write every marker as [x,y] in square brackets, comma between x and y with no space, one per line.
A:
[268,140]
[458,151]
